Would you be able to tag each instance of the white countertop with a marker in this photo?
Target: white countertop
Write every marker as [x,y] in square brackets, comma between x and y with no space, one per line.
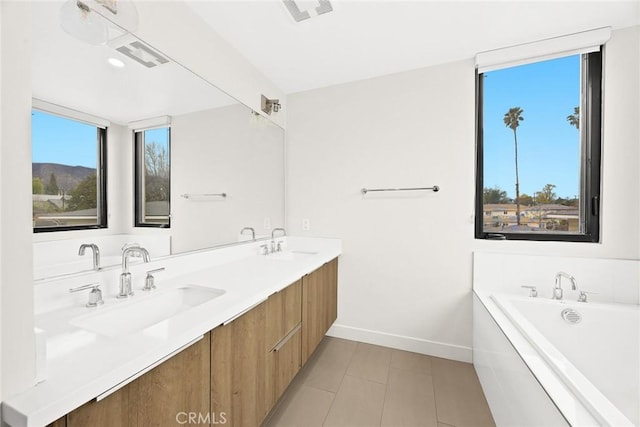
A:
[82,365]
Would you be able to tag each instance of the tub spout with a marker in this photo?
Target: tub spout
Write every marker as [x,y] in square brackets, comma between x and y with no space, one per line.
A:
[557,288]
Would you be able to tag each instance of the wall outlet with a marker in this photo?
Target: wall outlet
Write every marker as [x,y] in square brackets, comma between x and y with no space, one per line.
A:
[267,223]
[306,224]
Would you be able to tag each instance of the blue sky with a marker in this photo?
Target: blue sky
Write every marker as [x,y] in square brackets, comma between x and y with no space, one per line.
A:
[58,140]
[548,147]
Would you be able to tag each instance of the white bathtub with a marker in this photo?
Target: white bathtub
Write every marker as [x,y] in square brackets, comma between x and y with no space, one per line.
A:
[598,359]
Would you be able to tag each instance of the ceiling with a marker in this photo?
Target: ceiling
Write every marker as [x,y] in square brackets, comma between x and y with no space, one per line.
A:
[362,39]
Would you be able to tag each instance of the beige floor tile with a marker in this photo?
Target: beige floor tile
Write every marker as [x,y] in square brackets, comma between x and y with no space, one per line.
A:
[459,397]
[328,365]
[301,406]
[409,400]
[409,361]
[370,362]
[358,403]
[445,425]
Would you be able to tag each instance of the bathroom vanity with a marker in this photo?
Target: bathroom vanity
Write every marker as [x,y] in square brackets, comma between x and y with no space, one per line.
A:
[226,360]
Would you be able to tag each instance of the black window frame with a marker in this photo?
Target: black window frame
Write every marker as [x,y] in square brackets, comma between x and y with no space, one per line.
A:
[102,185]
[138,147]
[590,165]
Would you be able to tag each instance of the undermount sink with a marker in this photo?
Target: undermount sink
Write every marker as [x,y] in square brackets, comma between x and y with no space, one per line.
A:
[137,314]
[289,255]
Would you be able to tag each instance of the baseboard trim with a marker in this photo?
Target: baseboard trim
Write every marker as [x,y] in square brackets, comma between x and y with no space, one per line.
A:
[416,345]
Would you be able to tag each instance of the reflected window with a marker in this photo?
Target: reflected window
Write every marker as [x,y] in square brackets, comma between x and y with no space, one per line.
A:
[68,173]
[152,170]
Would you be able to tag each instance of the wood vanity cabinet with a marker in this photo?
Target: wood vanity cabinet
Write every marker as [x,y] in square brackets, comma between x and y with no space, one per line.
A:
[238,365]
[284,317]
[319,305]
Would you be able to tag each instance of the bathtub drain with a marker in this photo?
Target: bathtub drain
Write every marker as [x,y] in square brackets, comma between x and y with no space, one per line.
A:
[571,316]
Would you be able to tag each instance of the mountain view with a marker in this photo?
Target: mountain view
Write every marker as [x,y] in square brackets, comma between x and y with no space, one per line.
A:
[67,177]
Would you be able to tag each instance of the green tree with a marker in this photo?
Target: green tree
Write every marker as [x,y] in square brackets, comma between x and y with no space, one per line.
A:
[574,119]
[84,195]
[547,195]
[525,199]
[512,119]
[494,195]
[52,186]
[37,186]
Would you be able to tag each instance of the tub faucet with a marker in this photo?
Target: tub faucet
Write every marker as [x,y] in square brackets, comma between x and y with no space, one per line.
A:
[557,288]
[125,277]
[96,253]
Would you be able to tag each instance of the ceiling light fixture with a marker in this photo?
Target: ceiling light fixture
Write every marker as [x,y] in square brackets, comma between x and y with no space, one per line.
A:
[268,105]
[301,9]
[115,62]
[78,21]
[89,20]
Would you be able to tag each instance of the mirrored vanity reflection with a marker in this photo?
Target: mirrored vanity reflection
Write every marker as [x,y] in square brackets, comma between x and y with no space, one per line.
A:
[226,161]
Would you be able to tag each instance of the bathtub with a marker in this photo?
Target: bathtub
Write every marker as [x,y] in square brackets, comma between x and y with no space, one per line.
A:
[593,351]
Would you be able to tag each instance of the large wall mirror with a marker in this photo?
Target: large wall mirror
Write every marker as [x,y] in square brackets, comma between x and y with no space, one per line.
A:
[226,162]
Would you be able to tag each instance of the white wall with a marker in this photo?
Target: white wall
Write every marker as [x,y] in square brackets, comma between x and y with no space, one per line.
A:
[16,318]
[405,273]
[406,265]
[219,151]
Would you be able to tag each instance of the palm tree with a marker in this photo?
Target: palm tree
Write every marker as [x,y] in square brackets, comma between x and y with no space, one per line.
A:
[574,119]
[512,119]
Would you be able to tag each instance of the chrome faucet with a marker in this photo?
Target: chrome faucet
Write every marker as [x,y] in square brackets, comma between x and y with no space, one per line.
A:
[557,288]
[253,232]
[273,232]
[125,277]
[96,253]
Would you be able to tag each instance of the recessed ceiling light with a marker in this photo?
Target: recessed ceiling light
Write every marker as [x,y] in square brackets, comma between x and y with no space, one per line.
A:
[115,62]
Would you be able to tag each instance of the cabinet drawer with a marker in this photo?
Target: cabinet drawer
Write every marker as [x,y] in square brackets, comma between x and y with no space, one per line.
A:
[287,361]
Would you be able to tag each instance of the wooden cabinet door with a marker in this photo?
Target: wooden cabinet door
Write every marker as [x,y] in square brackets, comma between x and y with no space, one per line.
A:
[319,306]
[113,410]
[292,307]
[284,313]
[238,364]
[178,387]
[313,313]
[331,292]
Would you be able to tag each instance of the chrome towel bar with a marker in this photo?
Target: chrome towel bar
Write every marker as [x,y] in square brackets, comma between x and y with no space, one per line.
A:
[195,196]
[435,189]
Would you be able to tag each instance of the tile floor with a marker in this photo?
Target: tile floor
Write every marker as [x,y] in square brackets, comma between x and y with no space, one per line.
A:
[347,383]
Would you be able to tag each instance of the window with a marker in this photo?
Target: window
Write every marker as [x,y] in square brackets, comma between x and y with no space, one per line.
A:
[152,187]
[538,150]
[68,172]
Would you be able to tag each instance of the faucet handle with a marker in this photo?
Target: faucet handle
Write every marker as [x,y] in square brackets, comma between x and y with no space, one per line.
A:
[582,297]
[149,282]
[264,249]
[95,296]
[533,292]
